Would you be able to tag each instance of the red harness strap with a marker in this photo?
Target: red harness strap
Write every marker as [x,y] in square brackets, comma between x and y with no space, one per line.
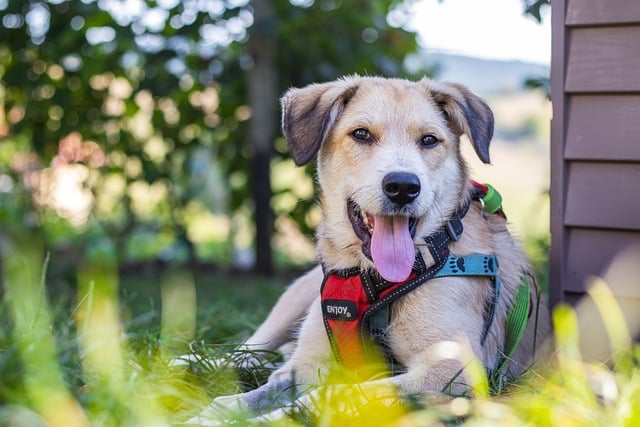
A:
[345,300]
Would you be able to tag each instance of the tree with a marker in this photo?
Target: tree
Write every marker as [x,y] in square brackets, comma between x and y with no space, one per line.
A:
[263,86]
[534,8]
[155,113]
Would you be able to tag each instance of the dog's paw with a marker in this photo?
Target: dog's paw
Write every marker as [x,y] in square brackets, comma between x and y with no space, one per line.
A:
[205,418]
[222,411]
[232,402]
[275,393]
[265,402]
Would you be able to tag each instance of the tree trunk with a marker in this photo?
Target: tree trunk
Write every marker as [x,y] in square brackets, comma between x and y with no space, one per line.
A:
[263,100]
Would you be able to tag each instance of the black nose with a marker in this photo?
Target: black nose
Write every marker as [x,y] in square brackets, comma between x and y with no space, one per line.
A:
[401,187]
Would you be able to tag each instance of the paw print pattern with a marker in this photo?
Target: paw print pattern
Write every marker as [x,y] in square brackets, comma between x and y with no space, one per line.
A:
[456,265]
[488,265]
[469,265]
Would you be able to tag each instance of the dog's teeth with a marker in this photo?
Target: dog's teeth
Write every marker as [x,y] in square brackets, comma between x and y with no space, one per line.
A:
[368,221]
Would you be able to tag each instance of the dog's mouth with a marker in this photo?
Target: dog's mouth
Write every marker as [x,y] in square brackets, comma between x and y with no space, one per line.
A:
[387,240]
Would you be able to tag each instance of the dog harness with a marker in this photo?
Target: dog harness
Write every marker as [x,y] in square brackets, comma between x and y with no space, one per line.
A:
[356,304]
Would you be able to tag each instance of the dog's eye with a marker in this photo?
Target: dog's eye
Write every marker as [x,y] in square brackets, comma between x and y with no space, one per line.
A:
[429,141]
[362,135]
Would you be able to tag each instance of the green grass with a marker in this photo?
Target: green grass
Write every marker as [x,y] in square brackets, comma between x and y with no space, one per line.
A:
[98,355]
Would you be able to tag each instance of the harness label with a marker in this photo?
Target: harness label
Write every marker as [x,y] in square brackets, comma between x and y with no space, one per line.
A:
[340,309]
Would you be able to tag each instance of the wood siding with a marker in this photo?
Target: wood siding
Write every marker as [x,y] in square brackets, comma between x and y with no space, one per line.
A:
[603,127]
[603,59]
[602,12]
[603,195]
[595,141]
[591,251]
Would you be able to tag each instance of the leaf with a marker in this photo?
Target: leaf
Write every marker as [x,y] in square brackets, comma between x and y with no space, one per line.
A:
[516,323]
[517,319]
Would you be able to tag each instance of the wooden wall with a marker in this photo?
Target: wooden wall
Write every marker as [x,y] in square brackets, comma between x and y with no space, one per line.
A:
[595,140]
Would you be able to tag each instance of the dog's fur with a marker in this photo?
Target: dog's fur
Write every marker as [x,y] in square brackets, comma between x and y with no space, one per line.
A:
[319,121]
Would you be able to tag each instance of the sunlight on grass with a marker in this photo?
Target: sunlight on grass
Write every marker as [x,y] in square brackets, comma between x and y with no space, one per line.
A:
[90,368]
[45,390]
[120,387]
[178,310]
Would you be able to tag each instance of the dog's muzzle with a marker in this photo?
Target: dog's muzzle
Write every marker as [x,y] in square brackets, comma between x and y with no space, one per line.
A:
[387,240]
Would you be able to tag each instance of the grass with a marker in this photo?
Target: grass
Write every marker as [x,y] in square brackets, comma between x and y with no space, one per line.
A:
[100,357]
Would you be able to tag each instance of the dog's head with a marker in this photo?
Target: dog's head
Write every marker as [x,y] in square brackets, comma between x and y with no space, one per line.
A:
[389,163]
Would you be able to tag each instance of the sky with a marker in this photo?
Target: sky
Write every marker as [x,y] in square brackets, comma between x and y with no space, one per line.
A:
[492,29]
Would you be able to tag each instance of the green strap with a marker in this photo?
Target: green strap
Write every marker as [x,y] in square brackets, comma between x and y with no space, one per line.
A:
[517,317]
[492,200]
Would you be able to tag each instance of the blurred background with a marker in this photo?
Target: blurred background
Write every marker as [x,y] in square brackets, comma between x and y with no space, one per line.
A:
[147,131]
[149,207]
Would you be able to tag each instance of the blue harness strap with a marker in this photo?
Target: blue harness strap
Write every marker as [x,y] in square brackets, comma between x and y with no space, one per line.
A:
[469,265]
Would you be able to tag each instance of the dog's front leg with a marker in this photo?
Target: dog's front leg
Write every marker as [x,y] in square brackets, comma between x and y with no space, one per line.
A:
[276,392]
[312,357]
[306,369]
[449,367]
[276,333]
[287,313]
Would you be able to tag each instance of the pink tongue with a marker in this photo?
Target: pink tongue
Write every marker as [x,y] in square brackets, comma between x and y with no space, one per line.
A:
[392,247]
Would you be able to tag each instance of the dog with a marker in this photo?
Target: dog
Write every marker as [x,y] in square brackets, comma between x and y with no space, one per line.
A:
[398,207]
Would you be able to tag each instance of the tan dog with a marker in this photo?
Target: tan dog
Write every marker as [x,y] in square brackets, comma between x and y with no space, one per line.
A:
[391,175]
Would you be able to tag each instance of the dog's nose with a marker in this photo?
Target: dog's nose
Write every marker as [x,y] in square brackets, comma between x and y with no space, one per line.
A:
[401,187]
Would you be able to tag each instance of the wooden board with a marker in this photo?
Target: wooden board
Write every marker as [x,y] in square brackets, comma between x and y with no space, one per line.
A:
[557,187]
[593,252]
[604,59]
[589,12]
[603,127]
[603,195]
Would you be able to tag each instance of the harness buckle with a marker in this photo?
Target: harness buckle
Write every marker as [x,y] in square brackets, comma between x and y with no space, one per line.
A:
[454,228]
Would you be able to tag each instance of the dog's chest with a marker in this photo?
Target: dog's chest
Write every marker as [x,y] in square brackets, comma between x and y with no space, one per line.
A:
[365,316]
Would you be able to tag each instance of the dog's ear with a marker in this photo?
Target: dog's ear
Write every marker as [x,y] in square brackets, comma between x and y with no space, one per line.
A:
[309,113]
[466,113]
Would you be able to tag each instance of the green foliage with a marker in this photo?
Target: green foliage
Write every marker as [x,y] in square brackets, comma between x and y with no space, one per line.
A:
[141,114]
[95,362]
[100,356]
[535,7]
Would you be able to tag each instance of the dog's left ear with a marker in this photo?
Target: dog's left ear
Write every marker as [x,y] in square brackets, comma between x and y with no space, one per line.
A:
[309,113]
[466,113]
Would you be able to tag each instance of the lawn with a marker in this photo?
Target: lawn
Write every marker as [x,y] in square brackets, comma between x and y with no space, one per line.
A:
[100,356]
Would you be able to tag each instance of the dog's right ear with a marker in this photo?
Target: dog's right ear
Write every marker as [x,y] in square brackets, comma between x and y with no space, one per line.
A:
[309,113]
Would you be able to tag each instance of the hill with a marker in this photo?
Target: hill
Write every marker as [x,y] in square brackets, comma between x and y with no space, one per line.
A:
[486,77]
